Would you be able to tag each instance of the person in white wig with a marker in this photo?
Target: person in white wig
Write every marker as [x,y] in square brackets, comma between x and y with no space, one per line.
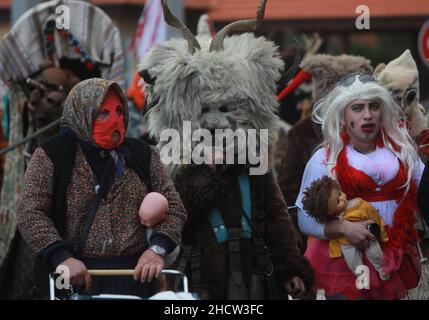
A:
[373,158]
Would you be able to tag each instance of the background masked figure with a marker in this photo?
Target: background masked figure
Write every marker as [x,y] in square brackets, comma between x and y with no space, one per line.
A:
[41,62]
[401,77]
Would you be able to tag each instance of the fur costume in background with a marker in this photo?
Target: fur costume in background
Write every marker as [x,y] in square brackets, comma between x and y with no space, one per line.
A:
[401,77]
[297,146]
[224,83]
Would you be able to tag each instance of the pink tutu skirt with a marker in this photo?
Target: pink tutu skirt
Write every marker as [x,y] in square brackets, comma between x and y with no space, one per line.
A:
[334,276]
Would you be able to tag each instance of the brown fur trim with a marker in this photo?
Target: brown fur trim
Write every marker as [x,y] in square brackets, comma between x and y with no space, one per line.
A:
[199,187]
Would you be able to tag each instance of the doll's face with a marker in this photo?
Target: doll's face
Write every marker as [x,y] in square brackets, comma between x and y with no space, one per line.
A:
[337,202]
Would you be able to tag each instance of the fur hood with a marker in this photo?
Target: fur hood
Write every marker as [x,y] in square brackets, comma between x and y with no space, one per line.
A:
[327,70]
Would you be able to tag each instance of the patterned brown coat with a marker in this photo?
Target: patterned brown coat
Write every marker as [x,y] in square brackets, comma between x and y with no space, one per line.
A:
[116,230]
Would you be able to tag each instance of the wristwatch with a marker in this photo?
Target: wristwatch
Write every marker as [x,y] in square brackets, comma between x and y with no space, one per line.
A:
[158,250]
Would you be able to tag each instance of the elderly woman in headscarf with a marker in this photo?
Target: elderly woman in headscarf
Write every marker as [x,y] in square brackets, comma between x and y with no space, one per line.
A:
[82,191]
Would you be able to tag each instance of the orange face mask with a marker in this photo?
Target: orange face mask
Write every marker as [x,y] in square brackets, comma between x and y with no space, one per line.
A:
[108,129]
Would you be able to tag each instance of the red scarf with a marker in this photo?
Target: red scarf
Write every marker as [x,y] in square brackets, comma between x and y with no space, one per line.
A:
[356,183]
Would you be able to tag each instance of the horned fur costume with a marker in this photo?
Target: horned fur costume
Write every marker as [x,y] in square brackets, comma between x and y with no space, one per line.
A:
[227,83]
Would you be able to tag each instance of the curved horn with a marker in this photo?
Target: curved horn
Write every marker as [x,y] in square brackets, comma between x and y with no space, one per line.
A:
[173,21]
[242,25]
[294,67]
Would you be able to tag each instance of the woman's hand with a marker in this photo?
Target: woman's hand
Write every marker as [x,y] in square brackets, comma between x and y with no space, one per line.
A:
[78,273]
[295,287]
[148,267]
[357,233]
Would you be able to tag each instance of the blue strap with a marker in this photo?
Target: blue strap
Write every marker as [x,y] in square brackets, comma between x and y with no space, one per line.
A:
[218,226]
[216,220]
[246,204]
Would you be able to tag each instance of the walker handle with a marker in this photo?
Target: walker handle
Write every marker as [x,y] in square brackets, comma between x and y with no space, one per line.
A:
[113,272]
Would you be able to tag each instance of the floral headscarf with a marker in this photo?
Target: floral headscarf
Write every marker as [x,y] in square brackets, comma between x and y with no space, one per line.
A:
[82,105]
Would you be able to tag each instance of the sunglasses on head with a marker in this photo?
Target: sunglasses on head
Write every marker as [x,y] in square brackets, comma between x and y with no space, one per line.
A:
[349,79]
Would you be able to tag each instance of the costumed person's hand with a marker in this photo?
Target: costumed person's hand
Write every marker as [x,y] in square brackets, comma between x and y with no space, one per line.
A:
[295,287]
[357,233]
[79,275]
[148,267]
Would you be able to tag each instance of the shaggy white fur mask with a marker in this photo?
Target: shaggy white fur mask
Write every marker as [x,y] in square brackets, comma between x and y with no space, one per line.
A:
[228,88]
